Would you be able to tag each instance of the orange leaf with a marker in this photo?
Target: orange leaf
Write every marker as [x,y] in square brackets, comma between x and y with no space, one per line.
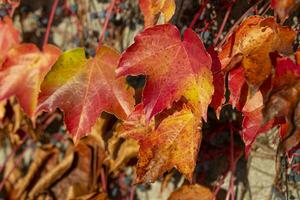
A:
[23,72]
[9,37]
[82,88]
[255,39]
[174,143]
[152,9]
[283,8]
[191,192]
[174,68]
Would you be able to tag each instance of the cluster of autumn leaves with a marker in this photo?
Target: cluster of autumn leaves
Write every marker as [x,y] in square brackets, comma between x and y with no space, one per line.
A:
[182,80]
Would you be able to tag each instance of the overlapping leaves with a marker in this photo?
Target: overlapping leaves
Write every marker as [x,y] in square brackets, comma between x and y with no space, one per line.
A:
[180,80]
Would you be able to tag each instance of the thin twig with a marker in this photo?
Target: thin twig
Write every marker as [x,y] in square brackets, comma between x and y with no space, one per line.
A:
[54,6]
[103,180]
[198,14]
[132,191]
[16,164]
[230,192]
[108,14]
[13,152]
[235,25]
[223,24]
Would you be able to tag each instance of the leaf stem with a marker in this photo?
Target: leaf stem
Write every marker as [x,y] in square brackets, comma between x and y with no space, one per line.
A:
[103,180]
[234,26]
[16,163]
[132,191]
[52,13]
[230,192]
[108,14]
[198,14]
[13,152]
[223,23]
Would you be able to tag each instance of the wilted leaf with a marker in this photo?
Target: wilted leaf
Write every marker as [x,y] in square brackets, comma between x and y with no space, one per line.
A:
[82,88]
[2,109]
[255,39]
[283,8]
[136,125]
[153,8]
[174,143]
[121,151]
[41,155]
[52,176]
[192,192]
[92,196]
[76,174]
[23,72]
[284,100]
[9,37]
[174,68]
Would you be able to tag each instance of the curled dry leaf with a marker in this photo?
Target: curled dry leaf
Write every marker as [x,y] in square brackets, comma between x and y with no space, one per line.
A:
[55,174]
[255,39]
[120,151]
[9,37]
[82,88]
[23,72]
[41,155]
[76,174]
[2,110]
[284,100]
[151,10]
[283,8]
[174,143]
[192,192]
[174,68]
[92,196]
[136,125]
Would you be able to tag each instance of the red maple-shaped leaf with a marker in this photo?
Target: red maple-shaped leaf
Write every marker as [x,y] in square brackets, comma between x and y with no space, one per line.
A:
[9,37]
[174,143]
[174,68]
[82,88]
[23,72]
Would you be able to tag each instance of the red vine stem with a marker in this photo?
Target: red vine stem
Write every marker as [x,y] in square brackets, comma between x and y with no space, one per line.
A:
[108,14]
[198,14]
[17,162]
[13,152]
[238,22]
[223,23]
[103,180]
[54,6]
[132,191]
[220,183]
[230,192]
